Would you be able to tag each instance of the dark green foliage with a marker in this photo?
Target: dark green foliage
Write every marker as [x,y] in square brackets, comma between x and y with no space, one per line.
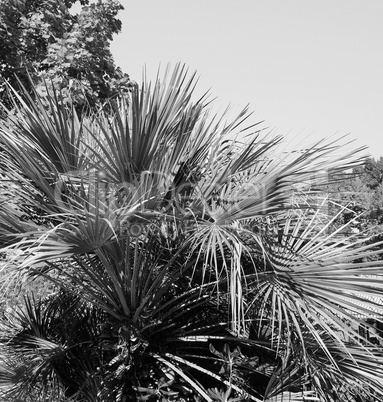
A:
[45,42]
[360,193]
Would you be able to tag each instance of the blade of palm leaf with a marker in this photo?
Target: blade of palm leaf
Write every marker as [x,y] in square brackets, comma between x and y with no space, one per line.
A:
[37,241]
[321,148]
[176,306]
[334,317]
[288,325]
[167,108]
[274,315]
[340,298]
[363,368]
[286,239]
[96,277]
[311,244]
[252,153]
[89,291]
[198,239]
[366,369]
[182,144]
[138,117]
[344,276]
[49,201]
[52,129]
[248,156]
[120,129]
[295,239]
[179,89]
[45,371]
[10,223]
[148,290]
[209,373]
[290,310]
[216,238]
[317,155]
[135,273]
[115,280]
[373,384]
[37,373]
[182,374]
[137,264]
[243,115]
[159,286]
[358,282]
[361,295]
[98,294]
[42,352]
[220,171]
[166,308]
[326,293]
[189,330]
[256,204]
[313,331]
[236,293]
[316,335]
[124,138]
[151,134]
[310,232]
[76,138]
[45,345]
[262,310]
[69,139]
[123,247]
[280,314]
[214,169]
[164,324]
[282,380]
[83,237]
[110,155]
[189,304]
[33,119]
[206,130]
[121,150]
[182,308]
[320,317]
[263,347]
[148,293]
[360,251]
[169,105]
[219,242]
[323,252]
[280,322]
[171,326]
[353,304]
[339,265]
[31,169]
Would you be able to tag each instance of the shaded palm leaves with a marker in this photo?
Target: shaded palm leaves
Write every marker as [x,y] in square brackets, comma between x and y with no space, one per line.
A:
[190,257]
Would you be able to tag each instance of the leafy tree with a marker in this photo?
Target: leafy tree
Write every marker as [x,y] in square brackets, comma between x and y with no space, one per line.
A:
[188,259]
[359,196]
[44,41]
[372,172]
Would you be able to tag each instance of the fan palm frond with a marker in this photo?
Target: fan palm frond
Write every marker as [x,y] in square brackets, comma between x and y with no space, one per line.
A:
[195,255]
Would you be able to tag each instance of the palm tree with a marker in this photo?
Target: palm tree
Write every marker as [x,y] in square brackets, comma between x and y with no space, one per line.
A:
[183,258]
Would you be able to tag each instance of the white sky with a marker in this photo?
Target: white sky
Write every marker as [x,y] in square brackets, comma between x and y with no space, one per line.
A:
[308,68]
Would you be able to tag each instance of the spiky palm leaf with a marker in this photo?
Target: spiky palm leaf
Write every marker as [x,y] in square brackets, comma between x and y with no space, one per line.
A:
[184,234]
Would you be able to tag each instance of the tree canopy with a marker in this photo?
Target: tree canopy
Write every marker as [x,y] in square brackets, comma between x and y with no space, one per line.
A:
[46,43]
[359,194]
